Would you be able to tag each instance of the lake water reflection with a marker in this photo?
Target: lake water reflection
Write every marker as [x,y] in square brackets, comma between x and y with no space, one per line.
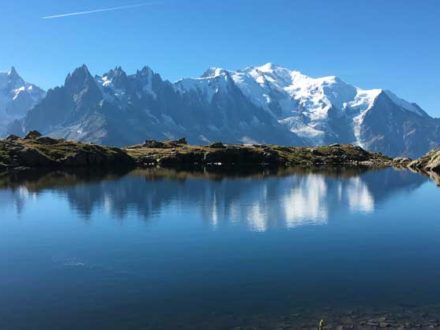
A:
[162,249]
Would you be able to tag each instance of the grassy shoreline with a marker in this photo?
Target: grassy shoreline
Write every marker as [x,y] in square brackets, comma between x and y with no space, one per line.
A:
[38,152]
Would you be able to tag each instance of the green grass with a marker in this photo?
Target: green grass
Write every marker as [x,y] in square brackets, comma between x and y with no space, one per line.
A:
[291,156]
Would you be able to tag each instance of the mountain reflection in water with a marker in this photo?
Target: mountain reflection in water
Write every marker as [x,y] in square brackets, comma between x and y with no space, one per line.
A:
[260,201]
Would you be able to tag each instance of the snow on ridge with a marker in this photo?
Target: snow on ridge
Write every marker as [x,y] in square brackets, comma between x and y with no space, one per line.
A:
[200,85]
[208,85]
[404,104]
[107,82]
[16,97]
[304,101]
[299,102]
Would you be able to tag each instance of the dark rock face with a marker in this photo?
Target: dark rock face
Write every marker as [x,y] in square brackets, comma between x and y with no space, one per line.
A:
[388,129]
[242,156]
[33,158]
[177,160]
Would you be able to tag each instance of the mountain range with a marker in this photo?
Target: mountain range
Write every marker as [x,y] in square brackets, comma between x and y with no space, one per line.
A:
[265,104]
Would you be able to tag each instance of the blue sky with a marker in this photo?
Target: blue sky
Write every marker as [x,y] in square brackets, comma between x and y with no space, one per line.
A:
[392,44]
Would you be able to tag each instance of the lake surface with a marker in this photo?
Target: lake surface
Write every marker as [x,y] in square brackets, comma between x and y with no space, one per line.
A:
[164,250]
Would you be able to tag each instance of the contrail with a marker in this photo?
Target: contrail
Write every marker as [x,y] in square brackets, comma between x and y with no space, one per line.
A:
[94,11]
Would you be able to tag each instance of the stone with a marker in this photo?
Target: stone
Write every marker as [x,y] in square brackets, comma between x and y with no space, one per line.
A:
[154,144]
[32,135]
[180,141]
[217,145]
[402,160]
[12,137]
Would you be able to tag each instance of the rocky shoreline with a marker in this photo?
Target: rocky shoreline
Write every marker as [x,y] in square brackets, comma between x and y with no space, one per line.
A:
[172,154]
[35,151]
[362,318]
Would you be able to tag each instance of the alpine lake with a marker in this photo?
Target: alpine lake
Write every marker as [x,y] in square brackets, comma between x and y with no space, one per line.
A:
[164,249]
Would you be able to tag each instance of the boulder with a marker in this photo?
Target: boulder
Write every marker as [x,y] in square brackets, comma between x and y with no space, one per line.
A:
[32,135]
[154,144]
[402,161]
[12,137]
[178,142]
[217,145]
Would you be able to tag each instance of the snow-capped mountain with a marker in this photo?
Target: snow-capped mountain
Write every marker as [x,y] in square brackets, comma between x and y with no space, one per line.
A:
[328,110]
[121,109]
[16,97]
[266,104]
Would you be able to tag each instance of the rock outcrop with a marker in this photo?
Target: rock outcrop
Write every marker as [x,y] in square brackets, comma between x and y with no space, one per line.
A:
[32,135]
[170,154]
[36,151]
[429,163]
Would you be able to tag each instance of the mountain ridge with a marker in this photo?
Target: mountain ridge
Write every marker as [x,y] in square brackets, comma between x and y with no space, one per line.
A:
[16,97]
[265,104]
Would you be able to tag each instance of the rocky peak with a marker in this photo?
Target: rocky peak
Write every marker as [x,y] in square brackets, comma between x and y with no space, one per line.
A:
[32,135]
[144,72]
[116,78]
[215,72]
[13,73]
[80,79]
[13,79]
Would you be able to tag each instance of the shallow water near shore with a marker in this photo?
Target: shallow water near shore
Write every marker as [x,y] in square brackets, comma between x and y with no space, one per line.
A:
[157,249]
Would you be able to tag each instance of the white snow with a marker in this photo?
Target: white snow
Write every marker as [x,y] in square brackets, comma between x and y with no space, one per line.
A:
[16,97]
[303,102]
[211,83]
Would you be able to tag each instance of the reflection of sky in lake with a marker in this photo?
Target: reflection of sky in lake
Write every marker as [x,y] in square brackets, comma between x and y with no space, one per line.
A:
[158,251]
[261,203]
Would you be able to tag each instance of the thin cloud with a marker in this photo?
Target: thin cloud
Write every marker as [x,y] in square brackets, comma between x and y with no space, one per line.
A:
[101,10]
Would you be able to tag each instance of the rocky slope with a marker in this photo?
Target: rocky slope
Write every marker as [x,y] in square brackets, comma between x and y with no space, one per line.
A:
[266,104]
